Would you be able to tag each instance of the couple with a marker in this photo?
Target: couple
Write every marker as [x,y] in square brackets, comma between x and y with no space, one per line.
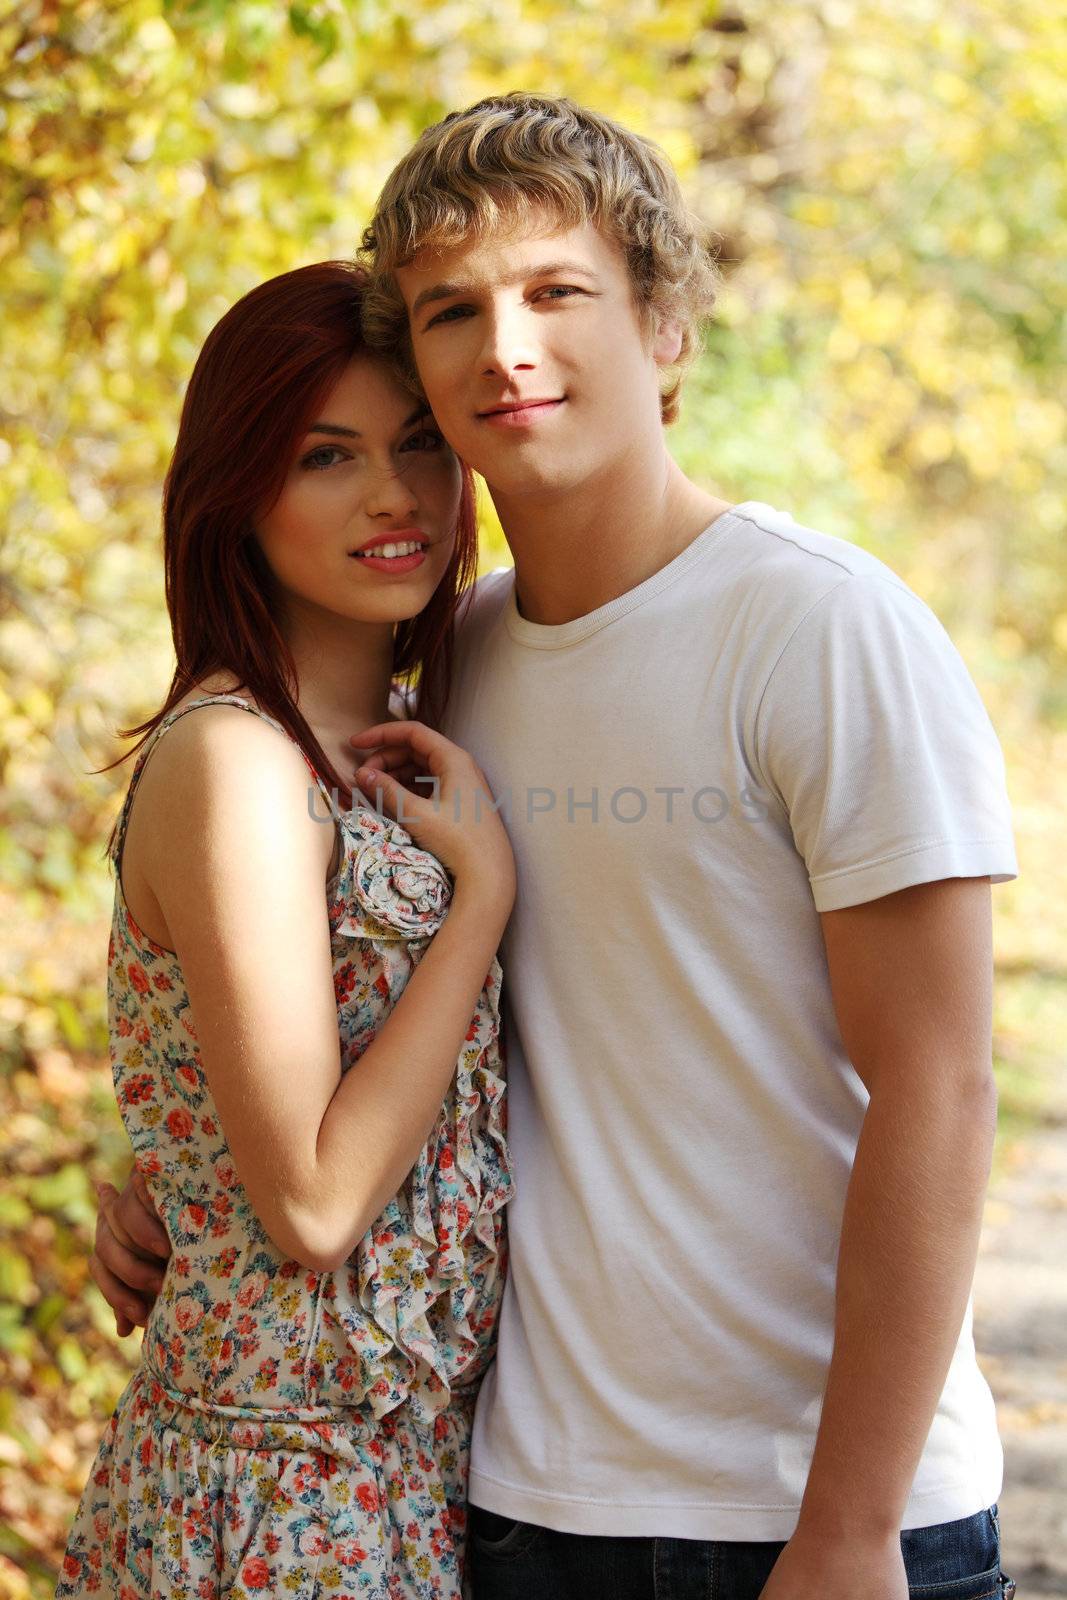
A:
[753,806]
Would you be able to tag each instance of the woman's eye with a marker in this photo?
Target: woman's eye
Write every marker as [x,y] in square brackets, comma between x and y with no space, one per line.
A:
[557,291]
[314,459]
[425,439]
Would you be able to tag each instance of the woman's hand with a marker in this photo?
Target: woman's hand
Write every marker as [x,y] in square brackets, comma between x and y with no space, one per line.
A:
[457,823]
[131,1250]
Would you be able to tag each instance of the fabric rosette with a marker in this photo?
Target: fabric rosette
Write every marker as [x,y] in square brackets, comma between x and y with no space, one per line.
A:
[395,889]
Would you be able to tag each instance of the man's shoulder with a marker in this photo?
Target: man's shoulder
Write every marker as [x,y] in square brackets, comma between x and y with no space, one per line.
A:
[806,555]
[786,568]
[483,602]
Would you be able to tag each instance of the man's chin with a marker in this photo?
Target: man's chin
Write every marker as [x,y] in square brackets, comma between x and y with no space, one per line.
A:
[527,479]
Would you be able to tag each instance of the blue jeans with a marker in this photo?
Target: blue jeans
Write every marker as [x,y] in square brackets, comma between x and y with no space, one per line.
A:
[509,1560]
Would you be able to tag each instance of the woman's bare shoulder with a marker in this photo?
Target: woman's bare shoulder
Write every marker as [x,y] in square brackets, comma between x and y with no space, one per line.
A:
[218,683]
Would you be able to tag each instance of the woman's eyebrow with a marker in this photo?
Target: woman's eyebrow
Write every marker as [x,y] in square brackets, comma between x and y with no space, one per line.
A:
[354,433]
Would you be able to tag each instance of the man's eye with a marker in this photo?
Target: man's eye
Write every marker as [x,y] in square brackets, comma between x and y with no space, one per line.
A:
[450,315]
[314,459]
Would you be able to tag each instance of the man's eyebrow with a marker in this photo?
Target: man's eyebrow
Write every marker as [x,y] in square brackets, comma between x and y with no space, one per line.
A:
[354,433]
[446,291]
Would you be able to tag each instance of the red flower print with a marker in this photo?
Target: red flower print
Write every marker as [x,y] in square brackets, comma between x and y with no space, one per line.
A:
[463,1214]
[252,1289]
[350,1553]
[187,1072]
[125,1028]
[344,981]
[144,1034]
[347,1372]
[188,1313]
[191,1218]
[138,977]
[381,983]
[72,1566]
[367,1495]
[207,1126]
[138,1089]
[255,1572]
[179,1123]
[162,982]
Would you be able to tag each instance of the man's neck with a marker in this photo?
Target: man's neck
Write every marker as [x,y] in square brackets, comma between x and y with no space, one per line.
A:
[579,551]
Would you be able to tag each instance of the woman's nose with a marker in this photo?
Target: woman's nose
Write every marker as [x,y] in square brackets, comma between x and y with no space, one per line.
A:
[390,494]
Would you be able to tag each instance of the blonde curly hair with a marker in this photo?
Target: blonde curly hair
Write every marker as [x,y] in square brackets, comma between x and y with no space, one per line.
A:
[508,157]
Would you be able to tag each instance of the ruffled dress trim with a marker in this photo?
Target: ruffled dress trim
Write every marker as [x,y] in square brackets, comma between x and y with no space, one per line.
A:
[424,1282]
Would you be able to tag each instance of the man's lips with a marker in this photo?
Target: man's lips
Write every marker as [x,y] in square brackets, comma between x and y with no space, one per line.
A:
[519,413]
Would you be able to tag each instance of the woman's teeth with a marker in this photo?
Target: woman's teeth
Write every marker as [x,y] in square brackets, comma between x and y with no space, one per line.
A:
[390,550]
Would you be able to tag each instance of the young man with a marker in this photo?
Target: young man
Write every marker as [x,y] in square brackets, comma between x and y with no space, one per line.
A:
[756,806]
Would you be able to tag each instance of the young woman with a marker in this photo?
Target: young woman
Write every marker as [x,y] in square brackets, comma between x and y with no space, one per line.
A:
[303,996]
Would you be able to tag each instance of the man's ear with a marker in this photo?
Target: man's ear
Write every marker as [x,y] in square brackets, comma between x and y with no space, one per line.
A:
[666,342]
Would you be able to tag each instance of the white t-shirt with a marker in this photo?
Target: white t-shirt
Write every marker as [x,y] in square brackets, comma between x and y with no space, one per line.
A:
[771,726]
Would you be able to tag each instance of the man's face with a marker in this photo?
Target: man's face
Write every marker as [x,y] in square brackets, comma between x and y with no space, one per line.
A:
[534,358]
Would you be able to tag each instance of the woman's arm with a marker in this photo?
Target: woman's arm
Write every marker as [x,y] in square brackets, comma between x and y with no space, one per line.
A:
[237,871]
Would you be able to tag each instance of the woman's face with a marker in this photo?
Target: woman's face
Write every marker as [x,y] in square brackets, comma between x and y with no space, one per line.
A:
[365,523]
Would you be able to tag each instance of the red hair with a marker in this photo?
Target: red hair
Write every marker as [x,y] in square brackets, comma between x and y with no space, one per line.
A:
[262,375]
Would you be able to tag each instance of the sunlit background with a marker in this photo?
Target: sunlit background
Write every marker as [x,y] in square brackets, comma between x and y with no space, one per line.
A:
[888,194]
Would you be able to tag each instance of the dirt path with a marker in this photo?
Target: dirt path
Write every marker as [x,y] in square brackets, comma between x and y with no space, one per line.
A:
[1021,1336]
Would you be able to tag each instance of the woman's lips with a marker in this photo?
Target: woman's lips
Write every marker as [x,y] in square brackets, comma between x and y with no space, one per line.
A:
[522,416]
[394,564]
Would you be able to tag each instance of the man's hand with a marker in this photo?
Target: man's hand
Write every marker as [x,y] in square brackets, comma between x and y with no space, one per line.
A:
[131,1251]
[838,1569]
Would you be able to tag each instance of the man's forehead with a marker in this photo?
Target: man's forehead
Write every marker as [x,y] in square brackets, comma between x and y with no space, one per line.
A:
[506,255]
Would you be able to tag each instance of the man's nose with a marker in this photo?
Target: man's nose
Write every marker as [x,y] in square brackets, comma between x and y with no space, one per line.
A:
[510,343]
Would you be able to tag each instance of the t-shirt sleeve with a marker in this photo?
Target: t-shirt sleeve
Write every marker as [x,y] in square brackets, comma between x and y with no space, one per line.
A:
[873,736]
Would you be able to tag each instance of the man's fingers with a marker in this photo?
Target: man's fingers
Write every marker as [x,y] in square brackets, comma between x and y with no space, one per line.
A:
[130,1310]
[134,1274]
[139,1217]
[110,1216]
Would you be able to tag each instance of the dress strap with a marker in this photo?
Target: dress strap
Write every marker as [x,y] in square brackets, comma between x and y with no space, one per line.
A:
[168,722]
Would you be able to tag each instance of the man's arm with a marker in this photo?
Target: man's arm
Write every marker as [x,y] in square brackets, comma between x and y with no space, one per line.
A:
[911,976]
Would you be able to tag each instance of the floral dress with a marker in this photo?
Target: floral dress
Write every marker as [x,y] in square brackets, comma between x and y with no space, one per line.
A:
[291,1432]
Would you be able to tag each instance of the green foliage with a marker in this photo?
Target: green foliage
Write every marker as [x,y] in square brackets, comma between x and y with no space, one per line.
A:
[889,195]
